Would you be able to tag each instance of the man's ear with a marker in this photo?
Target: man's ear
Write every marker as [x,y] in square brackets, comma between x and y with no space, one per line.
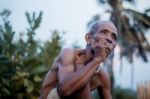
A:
[88,38]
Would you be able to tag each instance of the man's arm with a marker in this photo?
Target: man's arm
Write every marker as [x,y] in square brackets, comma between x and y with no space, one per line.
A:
[70,80]
[48,84]
[104,90]
[50,80]
[83,93]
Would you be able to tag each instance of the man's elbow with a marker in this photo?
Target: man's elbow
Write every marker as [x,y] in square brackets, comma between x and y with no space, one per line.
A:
[64,90]
[42,96]
[68,89]
[44,92]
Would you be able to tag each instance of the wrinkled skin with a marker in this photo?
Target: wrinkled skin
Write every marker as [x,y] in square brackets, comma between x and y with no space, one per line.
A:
[105,37]
[74,71]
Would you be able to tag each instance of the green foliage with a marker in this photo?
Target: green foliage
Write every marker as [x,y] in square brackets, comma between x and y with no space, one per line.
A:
[124,93]
[24,62]
[119,93]
[52,48]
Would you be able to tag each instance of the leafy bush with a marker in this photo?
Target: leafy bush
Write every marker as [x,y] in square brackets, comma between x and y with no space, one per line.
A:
[24,62]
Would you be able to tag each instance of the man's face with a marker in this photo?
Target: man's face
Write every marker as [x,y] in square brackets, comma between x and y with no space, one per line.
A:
[105,36]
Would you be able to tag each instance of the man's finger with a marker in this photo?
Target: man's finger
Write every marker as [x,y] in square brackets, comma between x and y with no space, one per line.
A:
[80,52]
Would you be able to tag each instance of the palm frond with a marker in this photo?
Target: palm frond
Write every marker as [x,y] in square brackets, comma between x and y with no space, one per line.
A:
[131,41]
[94,18]
[130,1]
[102,1]
[140,18]
[147,11]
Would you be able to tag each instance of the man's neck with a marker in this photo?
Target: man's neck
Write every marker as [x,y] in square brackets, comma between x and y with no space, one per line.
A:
[88,54]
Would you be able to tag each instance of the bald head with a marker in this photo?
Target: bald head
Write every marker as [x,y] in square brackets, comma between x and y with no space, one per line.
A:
[96,25]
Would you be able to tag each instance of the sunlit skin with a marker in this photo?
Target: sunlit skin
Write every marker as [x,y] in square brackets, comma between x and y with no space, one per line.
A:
[73,71]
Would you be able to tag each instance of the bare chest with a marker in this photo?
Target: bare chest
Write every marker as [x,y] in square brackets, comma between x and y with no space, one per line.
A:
[95,82]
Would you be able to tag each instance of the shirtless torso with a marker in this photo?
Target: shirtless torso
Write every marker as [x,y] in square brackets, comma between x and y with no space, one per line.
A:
[99,80]
[73,72]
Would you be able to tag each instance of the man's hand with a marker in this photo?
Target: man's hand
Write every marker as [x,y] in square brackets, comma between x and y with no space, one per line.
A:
[100,53]
[68,77]
[102,49]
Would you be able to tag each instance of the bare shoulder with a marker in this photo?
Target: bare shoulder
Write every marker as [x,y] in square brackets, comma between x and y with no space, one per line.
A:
[104,79]
[67,56]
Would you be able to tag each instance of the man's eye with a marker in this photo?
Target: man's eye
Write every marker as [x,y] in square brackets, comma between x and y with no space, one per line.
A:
[114,36]
[104,32]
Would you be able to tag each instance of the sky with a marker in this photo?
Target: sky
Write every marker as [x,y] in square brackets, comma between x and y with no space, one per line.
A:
[72,16]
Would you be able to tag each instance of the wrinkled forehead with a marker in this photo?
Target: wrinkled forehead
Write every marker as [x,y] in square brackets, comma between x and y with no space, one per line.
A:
[109,26]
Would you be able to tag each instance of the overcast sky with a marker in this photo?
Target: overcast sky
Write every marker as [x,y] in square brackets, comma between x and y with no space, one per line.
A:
[72,16]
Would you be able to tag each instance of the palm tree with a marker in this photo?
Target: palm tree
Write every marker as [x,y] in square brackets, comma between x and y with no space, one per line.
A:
[131,26]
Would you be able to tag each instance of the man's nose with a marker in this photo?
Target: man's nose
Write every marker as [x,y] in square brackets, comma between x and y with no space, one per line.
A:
[108,40]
